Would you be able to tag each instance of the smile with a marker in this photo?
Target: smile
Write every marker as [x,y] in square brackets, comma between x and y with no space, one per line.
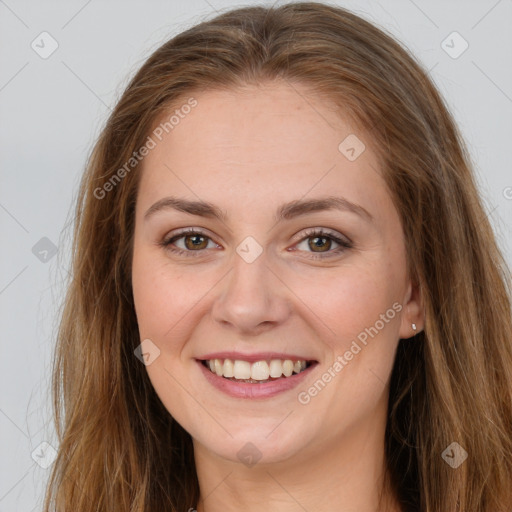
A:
[256,372]
[262,378]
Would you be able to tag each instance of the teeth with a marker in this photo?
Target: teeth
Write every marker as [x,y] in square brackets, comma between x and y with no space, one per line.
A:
[242,369]
[260,370]
[228,368]
[257,371]
[276,368]
[287,367]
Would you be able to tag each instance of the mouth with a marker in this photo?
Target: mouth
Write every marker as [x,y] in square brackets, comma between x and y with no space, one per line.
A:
[257,372]
[263,378]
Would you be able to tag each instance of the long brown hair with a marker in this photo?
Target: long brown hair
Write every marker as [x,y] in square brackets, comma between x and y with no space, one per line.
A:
[120,449]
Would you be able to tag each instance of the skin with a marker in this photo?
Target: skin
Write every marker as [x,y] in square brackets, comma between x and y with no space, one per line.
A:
[248,151]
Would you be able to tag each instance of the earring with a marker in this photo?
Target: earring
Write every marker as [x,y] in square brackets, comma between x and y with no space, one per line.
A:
[414,327]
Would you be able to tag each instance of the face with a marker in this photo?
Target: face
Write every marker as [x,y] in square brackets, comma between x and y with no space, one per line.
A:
[268,272]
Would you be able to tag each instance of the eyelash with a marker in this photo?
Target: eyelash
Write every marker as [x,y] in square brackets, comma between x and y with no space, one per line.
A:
[310,233]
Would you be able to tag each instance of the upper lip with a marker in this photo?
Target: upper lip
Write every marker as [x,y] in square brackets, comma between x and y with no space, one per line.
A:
[258,356]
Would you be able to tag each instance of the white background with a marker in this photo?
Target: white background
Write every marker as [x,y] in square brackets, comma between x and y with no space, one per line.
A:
[52,109]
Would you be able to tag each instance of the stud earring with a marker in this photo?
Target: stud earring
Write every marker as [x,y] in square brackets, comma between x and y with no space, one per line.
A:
[414,327]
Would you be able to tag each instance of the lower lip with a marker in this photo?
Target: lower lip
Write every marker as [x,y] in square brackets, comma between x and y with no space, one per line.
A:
[248,390]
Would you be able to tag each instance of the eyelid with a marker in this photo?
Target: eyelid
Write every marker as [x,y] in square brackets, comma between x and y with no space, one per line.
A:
[305,233]
[180,232]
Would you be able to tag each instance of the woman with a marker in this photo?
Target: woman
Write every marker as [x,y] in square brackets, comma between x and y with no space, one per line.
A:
[286,292]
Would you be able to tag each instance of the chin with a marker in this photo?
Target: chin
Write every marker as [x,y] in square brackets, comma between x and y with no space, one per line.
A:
[261,444]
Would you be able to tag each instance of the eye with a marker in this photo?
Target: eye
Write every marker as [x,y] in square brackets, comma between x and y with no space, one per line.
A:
[189,242]
[317,241]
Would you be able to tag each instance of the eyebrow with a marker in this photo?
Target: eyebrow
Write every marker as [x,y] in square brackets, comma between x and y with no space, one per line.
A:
[286,211]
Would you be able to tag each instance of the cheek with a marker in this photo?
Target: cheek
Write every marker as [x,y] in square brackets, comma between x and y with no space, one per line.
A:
[361,308]
[350,299]
[344,300]
[166,300]
[166,297]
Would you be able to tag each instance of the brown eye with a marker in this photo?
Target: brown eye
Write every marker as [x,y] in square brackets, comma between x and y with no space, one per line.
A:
[189,243]
[319,244]
[195,241]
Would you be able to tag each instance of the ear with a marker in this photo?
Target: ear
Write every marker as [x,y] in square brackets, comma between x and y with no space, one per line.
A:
[413,312]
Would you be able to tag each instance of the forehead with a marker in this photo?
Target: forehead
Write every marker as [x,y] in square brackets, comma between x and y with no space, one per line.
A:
[260,144]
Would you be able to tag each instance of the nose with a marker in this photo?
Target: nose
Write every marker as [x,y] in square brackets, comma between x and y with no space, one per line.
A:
[252,298]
